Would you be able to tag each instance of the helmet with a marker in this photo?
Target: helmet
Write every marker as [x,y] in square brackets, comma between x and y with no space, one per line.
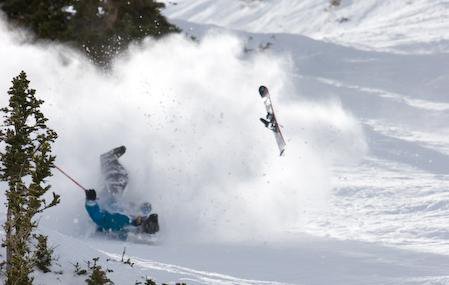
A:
[145,208]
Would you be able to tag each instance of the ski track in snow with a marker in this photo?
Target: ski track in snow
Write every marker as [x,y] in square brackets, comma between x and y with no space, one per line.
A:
[421,104]
[438,141]
[189,274]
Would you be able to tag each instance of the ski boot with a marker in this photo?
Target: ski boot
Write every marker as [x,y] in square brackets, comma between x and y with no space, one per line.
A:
[119,151]
[151,224]
[265,122]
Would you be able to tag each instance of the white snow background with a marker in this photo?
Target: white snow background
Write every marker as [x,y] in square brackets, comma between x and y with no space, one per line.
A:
[360,196]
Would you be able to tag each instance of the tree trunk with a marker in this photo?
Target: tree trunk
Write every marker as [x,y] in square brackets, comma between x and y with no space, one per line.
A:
[8,238]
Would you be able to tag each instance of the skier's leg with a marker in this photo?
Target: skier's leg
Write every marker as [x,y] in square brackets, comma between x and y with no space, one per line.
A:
[114,174]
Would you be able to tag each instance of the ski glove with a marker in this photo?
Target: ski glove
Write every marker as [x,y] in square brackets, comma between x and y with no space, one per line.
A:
[137,221]
[91,195]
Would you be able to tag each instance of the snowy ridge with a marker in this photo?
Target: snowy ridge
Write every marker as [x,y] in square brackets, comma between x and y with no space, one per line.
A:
[415,26]
[417,103]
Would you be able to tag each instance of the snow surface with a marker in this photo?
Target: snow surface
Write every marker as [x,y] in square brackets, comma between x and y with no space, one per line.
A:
[400,25]
[360,196]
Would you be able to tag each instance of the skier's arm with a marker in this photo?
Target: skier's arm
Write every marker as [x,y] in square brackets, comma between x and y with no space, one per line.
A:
[104,219]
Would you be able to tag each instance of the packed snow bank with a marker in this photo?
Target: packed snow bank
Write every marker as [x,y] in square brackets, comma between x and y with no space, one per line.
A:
[302,260]
[188,113]
[401,25]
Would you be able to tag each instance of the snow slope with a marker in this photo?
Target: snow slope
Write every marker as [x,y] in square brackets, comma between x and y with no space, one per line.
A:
[301,260]
[397,193]
[360,197]
[406,26]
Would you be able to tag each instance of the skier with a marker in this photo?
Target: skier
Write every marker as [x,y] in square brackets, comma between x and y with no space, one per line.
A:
[110,215]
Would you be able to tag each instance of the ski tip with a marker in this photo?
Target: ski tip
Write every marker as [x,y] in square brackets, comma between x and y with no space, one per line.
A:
[282,152]
[263,91]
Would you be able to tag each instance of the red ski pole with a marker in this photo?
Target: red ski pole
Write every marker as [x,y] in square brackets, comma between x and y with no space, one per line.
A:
[68,176]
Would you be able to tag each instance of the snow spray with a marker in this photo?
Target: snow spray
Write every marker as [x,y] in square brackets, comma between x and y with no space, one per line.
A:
[188,114]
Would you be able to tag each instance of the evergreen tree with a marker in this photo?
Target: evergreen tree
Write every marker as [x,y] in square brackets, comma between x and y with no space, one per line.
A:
[25,164]
[101,28]
[104,28]
[98,275]
[46,18]
[43,255]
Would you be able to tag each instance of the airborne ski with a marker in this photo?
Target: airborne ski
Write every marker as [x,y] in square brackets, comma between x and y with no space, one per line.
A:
[270,120]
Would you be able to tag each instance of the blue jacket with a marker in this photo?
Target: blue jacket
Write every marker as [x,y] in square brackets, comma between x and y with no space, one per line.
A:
[105,220]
